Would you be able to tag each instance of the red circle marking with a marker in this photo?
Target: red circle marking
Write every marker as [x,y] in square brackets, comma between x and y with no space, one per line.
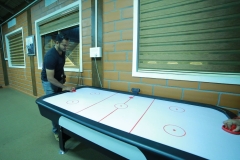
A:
[174,130]
[72,102]
[177,109]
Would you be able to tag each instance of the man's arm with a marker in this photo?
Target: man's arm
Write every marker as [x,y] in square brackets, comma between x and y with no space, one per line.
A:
[51,79]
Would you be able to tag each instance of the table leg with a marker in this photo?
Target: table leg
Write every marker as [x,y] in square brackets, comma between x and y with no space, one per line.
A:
[62,140]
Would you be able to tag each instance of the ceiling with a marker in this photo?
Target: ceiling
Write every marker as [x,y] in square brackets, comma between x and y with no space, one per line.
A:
[9,8]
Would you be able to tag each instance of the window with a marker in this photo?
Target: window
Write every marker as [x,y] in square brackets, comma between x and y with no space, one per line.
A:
[14,46]
[66,20]
[187,40]
[72,53]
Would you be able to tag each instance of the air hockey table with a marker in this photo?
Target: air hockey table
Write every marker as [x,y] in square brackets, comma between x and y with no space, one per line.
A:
[128,125]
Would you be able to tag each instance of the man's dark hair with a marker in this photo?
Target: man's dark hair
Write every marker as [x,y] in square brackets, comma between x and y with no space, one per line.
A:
[61,37]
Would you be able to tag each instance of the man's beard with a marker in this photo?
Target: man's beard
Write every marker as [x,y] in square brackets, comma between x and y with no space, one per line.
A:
[61,50]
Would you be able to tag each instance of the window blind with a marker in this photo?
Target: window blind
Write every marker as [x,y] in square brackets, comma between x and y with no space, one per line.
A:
[65,20]
[189,36]
[16,50]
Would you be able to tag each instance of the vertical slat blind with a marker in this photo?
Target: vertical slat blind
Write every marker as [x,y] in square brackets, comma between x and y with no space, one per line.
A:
[189,36]
[16,50]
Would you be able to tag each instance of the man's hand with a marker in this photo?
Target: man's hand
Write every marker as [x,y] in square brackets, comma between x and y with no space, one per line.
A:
[71,89]
[230,122]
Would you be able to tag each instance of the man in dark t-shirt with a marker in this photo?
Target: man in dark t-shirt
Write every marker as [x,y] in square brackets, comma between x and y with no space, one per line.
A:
[52,74]
[53,61]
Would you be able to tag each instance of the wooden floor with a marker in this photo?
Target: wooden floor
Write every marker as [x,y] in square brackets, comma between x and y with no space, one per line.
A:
[26,135]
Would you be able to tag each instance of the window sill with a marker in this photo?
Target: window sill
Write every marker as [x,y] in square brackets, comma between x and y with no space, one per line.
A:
[211,78]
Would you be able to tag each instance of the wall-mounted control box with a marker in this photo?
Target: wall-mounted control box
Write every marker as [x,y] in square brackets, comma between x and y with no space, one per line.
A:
[96,52]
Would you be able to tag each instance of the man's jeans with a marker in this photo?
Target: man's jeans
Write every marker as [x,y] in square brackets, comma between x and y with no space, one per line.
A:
[49,89]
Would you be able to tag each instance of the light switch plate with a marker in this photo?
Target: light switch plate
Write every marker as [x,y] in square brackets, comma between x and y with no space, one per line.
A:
[95,52]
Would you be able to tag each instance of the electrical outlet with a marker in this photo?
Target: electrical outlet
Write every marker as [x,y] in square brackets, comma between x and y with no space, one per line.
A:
[95,52]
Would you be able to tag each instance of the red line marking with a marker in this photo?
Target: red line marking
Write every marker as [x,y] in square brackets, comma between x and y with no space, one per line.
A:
[114,110]
[96,103]
[129,99]
[141,116]
[108,115]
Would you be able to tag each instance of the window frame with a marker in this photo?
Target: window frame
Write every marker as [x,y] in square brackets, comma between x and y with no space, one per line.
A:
[19,30]
[185,76]
[3,42]
[39,40]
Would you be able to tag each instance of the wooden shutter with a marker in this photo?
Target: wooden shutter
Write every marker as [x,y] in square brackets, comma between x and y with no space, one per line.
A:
[16,49]
[192,36]
[69,19]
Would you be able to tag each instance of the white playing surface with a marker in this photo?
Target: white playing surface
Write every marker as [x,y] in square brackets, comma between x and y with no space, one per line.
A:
[194,129]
